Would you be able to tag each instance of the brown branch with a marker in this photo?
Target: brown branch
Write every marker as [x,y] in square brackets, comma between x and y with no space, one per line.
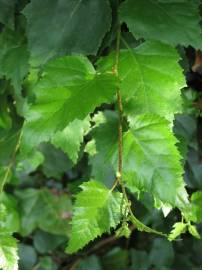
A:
[110,240]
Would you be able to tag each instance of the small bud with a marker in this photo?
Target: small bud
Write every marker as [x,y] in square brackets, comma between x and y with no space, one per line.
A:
[118,175]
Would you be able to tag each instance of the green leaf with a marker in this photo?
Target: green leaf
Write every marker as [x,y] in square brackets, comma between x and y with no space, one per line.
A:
[174,22]
[178,229]
[42,209]
[8,142]
[116,258]
[9,218]
[47,263]
[27,163]
[185,127]
[13,58]
[196,202]
[193,168]
[150,79]
[56,163]
[45,242]
[8,253]
[103,147]
[5,118]
[28,257]
[151,160]
[193,231]
[91,262]
[96,211]
[69,89]
[162,253]
[7,12]
[139,260]
[124,231]
[69,140]
[76,27]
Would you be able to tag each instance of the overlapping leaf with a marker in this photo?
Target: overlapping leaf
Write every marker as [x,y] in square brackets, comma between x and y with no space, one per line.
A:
[8,142]
[196,202]
[56,163]
[151,161]
[69,89]
[96,211]
[8,253]
[29,162]
[42,209]
[150,79]
[9,216]
[8,245]
[75,27]
[103,147]
[174,22]
[178,229]
[5,117]
[13,58]
[7,12]
[70,139]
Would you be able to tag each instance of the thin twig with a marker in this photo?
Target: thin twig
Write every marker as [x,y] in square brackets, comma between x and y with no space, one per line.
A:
[120,132]
[104,242]
[120,108]
[11,163]
[75,264]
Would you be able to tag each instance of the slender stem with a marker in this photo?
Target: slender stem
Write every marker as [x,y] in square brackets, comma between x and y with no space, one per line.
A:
[75,264]
[117,49]
[120,121]
[120,124]
[120,132]
[120,110]
[107,241]
[10,165]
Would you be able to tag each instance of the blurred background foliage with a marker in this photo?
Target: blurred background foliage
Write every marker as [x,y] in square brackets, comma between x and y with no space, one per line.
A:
[39,196]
